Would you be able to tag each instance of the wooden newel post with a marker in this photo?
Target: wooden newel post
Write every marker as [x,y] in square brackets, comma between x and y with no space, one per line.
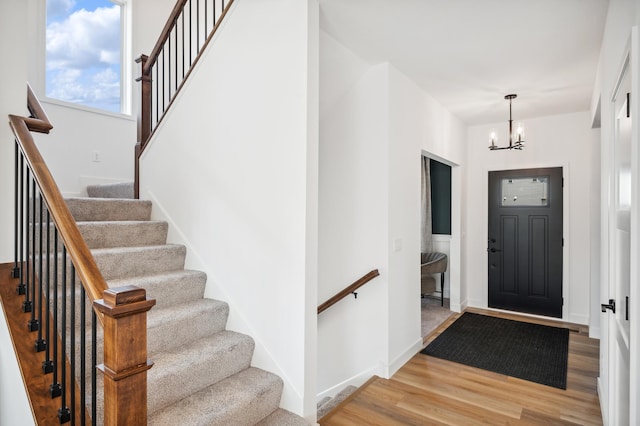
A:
[144,119]
[125,355]
[144,113]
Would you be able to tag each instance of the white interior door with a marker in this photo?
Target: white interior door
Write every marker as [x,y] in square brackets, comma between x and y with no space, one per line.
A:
[618,343]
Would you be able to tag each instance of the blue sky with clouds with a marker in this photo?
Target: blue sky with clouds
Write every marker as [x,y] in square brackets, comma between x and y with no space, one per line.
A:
[83,52]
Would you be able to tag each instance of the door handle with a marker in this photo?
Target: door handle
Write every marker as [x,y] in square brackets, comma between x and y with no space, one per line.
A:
[493,250]
[611,305]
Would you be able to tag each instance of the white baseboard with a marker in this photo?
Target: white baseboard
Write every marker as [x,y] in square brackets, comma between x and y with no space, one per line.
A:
[603,402]
[382,370]
[458,307]
[357,381]
[579,319]
[403,358]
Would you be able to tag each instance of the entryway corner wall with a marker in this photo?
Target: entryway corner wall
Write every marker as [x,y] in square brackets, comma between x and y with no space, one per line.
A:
[561,140]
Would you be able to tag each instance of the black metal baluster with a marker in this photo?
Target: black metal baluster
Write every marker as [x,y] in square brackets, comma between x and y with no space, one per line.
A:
[182,14]
[169,66]
[175,34]
[15,273]
[156,66]
[26,305]
[33,322]
[64,414]
[55,389]
[72,348]
[94,362]
[83,356]
[21,289]
[198,25]
[47,364]
[215,21]
[163,81]
[40,343]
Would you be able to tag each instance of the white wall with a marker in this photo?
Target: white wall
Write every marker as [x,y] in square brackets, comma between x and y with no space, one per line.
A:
[228,167]
[14,406]
[353,216]
[76,137]
[417,124]
[375,125]
[149,17]
[556,141]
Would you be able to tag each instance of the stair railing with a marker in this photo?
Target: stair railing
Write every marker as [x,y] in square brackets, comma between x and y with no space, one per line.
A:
[189,29]
[60,282]
[351,289]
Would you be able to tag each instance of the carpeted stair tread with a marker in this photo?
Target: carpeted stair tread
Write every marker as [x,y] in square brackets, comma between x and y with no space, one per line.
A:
[324,409]
[173,287]
[99,209]
[202,320]
[323,401]
[282,417]
[124,262]
[242,399]
[202,373]
[177,325]
[111,190]
[170,327]
[109,234]
[189,368]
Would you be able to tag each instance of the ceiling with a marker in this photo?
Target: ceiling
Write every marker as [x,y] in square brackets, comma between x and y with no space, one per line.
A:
[469,54]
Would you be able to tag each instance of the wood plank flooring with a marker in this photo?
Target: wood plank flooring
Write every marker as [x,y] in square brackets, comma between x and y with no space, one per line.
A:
[431,391]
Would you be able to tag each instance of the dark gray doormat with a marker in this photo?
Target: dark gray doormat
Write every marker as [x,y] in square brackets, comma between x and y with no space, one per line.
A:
[533,352]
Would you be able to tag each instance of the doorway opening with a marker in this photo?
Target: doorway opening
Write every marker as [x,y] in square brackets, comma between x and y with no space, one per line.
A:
[435,243]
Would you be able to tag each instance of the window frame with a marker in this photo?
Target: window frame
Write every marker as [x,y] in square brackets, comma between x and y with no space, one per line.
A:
[38,60]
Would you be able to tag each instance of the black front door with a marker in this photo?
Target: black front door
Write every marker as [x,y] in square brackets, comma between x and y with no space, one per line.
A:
[525,241]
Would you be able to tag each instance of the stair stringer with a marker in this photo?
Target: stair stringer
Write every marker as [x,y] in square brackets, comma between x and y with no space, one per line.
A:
[236,321]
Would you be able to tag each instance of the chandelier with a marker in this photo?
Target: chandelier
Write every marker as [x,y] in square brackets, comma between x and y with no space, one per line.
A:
[516,139]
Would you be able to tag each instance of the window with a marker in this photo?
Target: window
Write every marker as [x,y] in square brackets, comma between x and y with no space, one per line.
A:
[440,198]
[525,192]
[84,53]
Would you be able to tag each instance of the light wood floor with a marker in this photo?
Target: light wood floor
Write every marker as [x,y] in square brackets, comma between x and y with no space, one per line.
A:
[430,391]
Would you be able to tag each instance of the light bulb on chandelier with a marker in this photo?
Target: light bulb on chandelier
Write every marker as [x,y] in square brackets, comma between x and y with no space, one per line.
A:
[516,139]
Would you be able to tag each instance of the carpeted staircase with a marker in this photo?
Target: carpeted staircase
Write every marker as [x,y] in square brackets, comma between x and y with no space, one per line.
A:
[202,373]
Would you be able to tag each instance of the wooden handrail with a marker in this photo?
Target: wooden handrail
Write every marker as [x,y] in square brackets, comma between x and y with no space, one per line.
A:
[77,249]
[164,35]
[38,122]
[347,291]
[121,311]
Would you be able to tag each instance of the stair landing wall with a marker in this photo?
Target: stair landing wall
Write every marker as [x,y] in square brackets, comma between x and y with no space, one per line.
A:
[231,169]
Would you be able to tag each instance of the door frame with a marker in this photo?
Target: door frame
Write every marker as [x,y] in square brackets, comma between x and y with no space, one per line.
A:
[566,273]
[608,258]
[455,254]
